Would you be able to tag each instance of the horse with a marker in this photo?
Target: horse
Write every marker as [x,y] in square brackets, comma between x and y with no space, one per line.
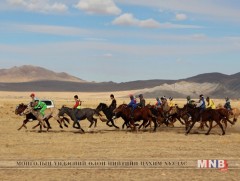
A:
[108,113]
[139,114]
[19,111]
[207,115]
[81,114]
[170,114]
[158,114]
[31,113]
[233,114]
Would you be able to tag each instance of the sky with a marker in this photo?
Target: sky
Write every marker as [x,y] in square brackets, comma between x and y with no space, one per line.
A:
[122,40]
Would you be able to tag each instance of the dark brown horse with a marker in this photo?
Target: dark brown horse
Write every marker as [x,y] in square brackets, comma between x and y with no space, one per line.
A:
[206,115]
[139,114]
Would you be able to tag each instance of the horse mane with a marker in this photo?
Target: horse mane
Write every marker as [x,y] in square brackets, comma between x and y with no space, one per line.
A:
[103,104]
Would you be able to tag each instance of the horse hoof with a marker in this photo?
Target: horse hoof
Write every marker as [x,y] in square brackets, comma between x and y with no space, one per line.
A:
[206,133]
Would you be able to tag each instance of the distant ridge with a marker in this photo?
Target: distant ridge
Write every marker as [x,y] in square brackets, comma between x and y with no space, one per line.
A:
[28,73]
[216,85]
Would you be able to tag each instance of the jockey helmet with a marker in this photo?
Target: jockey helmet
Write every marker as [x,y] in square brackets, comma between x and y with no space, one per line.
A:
[140,95]
[188,98]
[170,98]
[32,95]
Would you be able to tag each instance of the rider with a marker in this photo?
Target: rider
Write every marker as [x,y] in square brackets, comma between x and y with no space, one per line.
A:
[142,101]
[40,106]
[171,102]
[113,105]
[33,97]
[35,100]
[77,105]
[132,105]
[158,103]
[228,104]
[190,101]
[210,104]
[201,104]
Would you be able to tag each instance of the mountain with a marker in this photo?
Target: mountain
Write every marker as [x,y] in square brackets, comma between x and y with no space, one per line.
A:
[29,73]
[29,78]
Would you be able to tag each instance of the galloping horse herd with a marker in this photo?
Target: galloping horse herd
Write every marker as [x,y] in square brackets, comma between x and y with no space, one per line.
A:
[188,116]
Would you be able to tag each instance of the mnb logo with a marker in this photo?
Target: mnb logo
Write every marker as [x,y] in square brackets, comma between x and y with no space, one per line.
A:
[222,164]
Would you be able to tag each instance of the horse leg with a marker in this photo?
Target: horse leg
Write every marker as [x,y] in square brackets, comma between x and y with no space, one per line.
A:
[191,126]
[35,126]
[223,132]
[123,125]
[48,124]
[179,119]
[210,127]
[66,119]
[111,120]
[76,123]
[201,126]
[140,126]
[64,123]
[95,120]
[109,124]
[24,124]
[155,125]
[232,122]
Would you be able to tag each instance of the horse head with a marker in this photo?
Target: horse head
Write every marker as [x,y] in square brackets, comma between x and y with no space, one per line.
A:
[101,107]
[120,109]
[65,110]
[20,109]
[28,109]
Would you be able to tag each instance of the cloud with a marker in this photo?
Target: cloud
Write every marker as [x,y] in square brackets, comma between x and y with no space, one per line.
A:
[181,16]
[98,7]
[43,6]
[108,55]
[209,9]
[128,19]
[47,29]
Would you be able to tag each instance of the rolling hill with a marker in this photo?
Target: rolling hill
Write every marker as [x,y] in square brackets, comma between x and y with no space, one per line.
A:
[29,78]
[28,73]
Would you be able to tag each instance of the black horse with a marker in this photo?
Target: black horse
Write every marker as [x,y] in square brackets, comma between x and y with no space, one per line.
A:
[86,113]
[22,107]
[108,113]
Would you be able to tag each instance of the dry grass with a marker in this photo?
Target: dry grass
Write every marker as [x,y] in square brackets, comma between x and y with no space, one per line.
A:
[109,144]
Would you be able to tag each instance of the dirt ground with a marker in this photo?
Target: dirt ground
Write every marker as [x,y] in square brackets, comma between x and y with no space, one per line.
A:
[106,143]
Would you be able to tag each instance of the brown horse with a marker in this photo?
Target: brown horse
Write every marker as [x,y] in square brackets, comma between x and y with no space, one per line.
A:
[19,111]
[207,115]
[139,114]
[23,109]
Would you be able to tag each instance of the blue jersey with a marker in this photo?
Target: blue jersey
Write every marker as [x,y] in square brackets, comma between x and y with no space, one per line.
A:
[132,104]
